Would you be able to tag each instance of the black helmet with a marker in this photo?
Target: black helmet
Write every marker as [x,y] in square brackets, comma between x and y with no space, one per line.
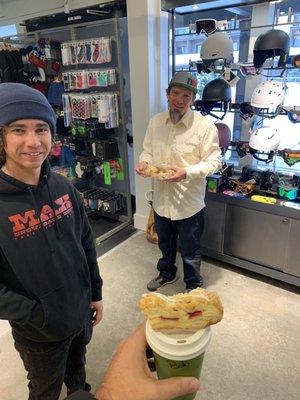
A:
[246,110]
[271,44]
[216,91]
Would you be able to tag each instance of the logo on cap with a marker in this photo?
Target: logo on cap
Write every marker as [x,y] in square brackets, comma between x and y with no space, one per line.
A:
[192,82]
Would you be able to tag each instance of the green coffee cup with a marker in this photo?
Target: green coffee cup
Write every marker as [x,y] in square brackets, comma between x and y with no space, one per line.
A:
[178,354]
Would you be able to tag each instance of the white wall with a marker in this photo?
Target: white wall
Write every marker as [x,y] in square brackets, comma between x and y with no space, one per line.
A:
[148,57]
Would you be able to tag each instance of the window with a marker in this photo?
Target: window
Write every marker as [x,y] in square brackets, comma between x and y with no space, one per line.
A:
[8,30]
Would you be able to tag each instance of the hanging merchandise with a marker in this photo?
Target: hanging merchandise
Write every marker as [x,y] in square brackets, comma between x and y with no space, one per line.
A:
[246,110]
[296,61]
[65,54]
[216,93]
[80,52]
[88,51]
[55,153]
[218,46]
[38,58]
[294,117]
[72,80]
[106,150]
[55,92]
[271,44]
[264,141]
[108,109]
[91,51]
[105,50]
[94,105]
[81,80]
[84,79]
[80,106]
[73,53]
[67,157]
[67,109]
[290,156]
[66,82]
[267,98]
[95,51]
[224,134]
[92,78]
[11,63]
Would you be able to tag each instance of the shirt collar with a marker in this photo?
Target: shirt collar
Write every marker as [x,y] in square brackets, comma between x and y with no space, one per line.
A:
[185,120]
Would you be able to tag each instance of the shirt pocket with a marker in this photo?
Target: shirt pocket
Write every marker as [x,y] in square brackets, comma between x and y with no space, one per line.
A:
[185,152]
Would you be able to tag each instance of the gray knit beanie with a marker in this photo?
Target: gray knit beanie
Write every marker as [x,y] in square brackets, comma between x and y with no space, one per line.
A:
[18,101]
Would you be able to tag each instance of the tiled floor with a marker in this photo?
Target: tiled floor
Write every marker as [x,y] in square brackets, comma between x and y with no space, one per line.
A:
[254,350]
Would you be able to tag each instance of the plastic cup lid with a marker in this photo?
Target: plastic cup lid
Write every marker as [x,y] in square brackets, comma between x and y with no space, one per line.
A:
[178,346]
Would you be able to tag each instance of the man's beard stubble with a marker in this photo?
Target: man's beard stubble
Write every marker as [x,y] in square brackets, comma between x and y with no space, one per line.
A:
[175,116]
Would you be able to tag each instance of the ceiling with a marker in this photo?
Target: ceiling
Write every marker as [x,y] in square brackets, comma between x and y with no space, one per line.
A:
[198,5]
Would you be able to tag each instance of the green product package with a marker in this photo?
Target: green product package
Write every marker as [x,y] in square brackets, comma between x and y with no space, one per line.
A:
[106,173]
[120,174]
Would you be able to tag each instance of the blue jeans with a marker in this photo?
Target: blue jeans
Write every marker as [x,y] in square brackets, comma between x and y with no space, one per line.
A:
[189,230]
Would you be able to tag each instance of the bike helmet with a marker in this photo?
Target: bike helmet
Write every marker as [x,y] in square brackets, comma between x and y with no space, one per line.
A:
[216,93]
[264,141]
[267,98]
[224,134]
[185,80]
[271,44]
[217,46]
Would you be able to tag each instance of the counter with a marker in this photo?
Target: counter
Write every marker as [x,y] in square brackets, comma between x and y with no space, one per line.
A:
[260,237]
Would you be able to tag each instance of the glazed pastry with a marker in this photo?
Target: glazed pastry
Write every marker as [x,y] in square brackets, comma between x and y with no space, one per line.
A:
[189,311]
[159,173]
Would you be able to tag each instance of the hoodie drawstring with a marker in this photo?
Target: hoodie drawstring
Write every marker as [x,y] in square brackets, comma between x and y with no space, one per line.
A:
[56,225]
[42,225]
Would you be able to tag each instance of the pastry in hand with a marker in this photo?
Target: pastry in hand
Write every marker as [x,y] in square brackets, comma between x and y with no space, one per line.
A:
[159,173]
[188,311]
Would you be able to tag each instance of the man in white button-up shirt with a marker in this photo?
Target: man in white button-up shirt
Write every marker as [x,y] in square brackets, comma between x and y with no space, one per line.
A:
[188,144]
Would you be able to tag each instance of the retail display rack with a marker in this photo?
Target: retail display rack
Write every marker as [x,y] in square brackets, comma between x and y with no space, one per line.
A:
[94,108]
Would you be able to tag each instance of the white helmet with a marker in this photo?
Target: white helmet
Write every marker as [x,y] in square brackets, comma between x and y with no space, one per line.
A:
[269,96]
[264,139]
[217,46]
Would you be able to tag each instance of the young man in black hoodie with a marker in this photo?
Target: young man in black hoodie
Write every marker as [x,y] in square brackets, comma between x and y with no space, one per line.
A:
[50,287]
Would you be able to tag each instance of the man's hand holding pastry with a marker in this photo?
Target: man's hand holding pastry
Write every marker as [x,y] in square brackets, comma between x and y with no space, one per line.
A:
[141,169]
[178,174]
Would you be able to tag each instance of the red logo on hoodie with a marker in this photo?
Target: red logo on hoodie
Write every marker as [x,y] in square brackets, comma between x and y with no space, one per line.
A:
[25,224]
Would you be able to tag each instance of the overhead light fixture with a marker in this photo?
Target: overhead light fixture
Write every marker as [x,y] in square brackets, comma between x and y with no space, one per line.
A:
[97,12]
[66,7]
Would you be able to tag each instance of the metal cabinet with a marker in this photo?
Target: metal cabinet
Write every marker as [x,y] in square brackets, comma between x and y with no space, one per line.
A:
[292,265]
[259,237]
[214,225]
[256,236]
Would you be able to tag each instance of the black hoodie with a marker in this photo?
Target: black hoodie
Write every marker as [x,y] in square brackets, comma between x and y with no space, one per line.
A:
[48,264]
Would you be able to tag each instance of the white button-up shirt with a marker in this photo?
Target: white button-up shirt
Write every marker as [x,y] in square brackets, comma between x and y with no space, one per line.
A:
[193,144]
